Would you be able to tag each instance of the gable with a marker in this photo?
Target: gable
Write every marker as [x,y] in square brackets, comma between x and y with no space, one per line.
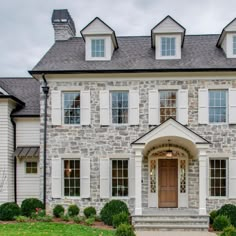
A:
[232,26]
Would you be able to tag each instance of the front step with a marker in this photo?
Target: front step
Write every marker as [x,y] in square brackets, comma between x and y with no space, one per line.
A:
[171,222]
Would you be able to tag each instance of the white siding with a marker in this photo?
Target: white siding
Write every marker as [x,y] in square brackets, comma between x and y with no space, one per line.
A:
[28,185]
[27,132]
[231,27]
[168,26]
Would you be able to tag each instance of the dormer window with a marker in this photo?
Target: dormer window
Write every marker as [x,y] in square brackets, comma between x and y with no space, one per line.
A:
[234,45]
[98,47]
[168,46]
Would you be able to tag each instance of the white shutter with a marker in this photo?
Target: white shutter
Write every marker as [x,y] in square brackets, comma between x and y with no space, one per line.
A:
[183,106]
[203,106]
[56,178]
[232,106]
[232,178]
[132,178]
[85,108]
[134,107]
[56,107]
[104,178]
[153,113]
[85,177]
[104,107]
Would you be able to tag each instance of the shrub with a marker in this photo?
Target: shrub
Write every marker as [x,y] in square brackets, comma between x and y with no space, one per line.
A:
[90,221]
[213,215]
[77,219]
[30,205]
[39,213]
[124,230]
[121,218]
[22,219]
[90,211]
[112,208]
[229,231]
[45,218]
[221,222]
[73,210]
[65,217]
[228,210]
[9,210]
[58,210]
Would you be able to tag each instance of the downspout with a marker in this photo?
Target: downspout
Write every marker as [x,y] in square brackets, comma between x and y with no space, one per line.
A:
[45,89]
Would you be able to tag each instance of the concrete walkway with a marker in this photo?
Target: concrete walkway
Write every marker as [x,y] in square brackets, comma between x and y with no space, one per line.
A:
[173,233]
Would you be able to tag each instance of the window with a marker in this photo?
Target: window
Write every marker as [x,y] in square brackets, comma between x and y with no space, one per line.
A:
[217,178]
[120,107]
[71,107]
[31,167]
[120,178]
[98,48]
[217,106]
[167,46]
[72,178]
[167,105]
[234,45]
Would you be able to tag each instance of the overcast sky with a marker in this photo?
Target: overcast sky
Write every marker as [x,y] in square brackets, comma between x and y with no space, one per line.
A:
[26,32]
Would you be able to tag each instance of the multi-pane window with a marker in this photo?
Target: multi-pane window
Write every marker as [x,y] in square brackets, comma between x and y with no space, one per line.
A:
[120,178]
[167,105]
[217,177]
[31,167]
[72,178]
[234,45]
[71,107]
[217,106]
[98,48]
[168,46]
[120,107]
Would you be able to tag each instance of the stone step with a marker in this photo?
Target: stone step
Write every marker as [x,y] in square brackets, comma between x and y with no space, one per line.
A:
[168,217]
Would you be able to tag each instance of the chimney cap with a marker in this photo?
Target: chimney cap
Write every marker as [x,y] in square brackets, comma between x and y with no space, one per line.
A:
[63,16]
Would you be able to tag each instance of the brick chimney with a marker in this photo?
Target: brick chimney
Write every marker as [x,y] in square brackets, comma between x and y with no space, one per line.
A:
[63,24]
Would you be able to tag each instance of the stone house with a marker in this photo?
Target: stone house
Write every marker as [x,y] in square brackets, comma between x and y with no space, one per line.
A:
[150,120]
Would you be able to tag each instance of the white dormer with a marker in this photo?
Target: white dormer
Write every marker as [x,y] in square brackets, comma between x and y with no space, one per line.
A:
[227,40]
[100,41]
[167,39]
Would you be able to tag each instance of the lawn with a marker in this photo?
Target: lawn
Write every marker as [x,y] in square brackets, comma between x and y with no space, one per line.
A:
[51,229]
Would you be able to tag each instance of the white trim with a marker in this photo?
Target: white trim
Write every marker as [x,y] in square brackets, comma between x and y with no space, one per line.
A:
[3,91]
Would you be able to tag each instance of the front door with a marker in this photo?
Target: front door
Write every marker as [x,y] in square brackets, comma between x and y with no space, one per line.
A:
[168,183]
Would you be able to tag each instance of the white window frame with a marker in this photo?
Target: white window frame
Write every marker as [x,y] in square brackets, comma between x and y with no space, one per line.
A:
[63,106]
[30,161]
[110,107]
[104,47]
[234,45]
[227,178]
[110,187]
[167,49]
[227,106]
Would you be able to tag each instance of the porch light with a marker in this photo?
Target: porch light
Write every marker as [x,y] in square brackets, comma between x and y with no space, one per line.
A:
[169,152]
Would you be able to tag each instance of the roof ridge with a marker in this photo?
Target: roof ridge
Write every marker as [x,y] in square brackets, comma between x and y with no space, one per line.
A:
[16,78]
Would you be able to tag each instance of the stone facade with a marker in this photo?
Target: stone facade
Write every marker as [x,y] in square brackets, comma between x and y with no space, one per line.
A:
[95,141]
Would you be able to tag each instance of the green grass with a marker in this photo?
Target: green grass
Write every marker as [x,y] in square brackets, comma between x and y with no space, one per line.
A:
[51,229]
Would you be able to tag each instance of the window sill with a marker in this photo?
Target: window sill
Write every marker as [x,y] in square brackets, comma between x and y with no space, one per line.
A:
[118,198]
[218,198]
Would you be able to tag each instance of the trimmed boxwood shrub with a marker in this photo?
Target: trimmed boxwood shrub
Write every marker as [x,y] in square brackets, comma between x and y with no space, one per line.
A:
[228,210]
[73,210]
[29,206]
[121,218]
[221,222]
[213,215]
[125,230]
[112,208]
[9,210]
[229,231]
[90,211]
[58,210]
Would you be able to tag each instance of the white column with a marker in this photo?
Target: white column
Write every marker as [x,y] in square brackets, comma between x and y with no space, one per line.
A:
[138,182]
[202,181]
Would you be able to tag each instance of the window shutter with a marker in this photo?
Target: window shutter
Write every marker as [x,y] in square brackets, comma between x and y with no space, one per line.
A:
[203,112]
[104,107]
[132,178]
[183,106]
[56,178]
[56,107]
[134,107]
[85,177]
[232,178]
[85,108]
[104,178]
[153,113]
[232,106]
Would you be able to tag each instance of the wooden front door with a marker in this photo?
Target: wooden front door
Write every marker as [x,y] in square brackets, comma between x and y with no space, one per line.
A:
[168,183]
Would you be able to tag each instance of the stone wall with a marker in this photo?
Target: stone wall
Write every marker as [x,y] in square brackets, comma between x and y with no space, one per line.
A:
[96,142]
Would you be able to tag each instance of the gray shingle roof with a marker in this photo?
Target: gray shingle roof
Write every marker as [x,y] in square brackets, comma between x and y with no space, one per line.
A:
[25,89]
[135,53]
